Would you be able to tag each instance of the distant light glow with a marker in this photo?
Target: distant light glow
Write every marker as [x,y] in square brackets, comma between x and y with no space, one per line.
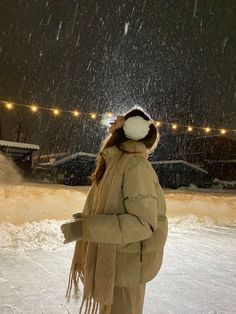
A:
[223,131]
[93,115]
[190,128]
[158,123]
[106,119]
[207,130]
[34,108]
[56,112]
[9,105]
[76,113]
[174,126]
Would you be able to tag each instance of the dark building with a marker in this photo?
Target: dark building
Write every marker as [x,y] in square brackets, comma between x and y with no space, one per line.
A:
[216,154]
[21,154]
[77,168]
[177,173]
[180,160]
[74,170]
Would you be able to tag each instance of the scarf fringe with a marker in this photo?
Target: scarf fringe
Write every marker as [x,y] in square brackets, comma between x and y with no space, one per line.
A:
[73,281]
[90,306]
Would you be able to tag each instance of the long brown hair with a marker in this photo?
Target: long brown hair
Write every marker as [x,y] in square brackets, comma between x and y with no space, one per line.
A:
[118,137]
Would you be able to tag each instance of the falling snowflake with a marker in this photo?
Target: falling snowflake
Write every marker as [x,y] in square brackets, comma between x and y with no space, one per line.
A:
[126,28]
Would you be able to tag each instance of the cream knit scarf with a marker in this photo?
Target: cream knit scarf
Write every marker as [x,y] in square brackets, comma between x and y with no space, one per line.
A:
[95,263]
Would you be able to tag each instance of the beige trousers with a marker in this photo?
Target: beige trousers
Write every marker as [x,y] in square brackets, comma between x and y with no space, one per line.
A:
[128,300]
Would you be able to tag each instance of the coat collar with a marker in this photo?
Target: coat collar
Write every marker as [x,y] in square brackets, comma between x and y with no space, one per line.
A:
[133,147]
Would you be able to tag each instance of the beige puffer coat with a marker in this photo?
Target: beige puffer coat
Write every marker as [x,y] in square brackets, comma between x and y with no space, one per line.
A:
[140,226]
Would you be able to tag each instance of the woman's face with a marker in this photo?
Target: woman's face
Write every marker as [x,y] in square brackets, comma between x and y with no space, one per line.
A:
[116,124]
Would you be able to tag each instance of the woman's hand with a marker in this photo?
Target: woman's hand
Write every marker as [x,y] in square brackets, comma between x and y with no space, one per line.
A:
[72,230]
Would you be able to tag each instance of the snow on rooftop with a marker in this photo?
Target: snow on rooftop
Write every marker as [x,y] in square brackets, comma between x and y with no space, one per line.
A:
[19,145]
[72,157]
[179,162]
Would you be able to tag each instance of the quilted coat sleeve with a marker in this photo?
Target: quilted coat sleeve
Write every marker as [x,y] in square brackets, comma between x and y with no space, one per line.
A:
[140,201]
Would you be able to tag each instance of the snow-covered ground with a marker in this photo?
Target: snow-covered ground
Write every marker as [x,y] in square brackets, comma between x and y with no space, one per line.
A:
[198,273]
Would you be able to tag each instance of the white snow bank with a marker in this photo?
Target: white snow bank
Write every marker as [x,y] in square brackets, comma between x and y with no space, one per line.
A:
[31,215]
[35,202]
[45,235]
[27,203]
[208,208]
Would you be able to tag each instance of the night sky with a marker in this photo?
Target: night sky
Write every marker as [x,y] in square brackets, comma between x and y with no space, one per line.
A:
[175,58]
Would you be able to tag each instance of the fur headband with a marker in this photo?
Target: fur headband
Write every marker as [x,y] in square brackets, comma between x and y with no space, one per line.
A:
[136,127]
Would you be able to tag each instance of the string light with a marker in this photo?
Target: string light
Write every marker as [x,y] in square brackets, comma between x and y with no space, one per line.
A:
[76,113]
[56,112]
[190,128]
[93,115]
[9,105]
[34,108]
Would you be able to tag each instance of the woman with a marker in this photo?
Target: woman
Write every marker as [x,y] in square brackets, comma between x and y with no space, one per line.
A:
[123,228]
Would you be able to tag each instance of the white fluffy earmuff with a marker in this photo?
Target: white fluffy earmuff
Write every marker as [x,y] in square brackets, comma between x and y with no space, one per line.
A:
[136,127]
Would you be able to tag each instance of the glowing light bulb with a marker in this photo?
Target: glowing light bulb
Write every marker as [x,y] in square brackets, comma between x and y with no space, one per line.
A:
[34,108]
[109,114]
[190,128]
[9,105]
[56,112]
[76,113]
[158,123]
[222,131]
[174,126]
[207,130]
[93,116]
